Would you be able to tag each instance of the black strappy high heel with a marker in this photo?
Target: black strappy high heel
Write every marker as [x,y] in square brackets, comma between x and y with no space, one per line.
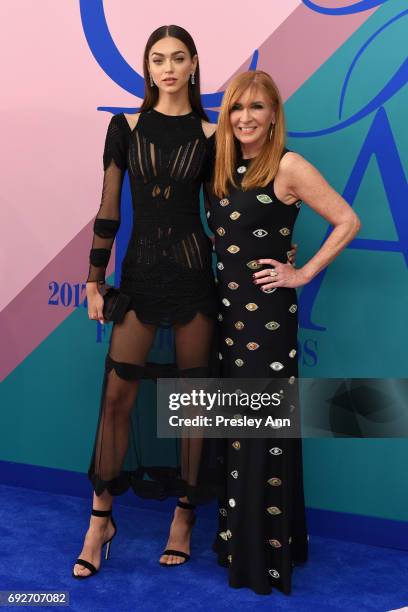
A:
[108,543]
[179,553]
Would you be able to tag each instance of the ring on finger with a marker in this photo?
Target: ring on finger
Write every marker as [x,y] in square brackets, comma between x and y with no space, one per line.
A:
[273,273]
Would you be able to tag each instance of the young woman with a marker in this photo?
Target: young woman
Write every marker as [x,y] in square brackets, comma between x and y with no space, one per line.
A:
[167,272]
[254,201]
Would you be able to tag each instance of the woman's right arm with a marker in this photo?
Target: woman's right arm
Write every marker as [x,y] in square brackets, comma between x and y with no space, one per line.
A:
[107,220]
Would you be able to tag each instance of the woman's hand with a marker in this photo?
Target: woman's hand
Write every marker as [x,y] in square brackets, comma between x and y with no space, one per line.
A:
[292,255]
[279,275]
[95,302]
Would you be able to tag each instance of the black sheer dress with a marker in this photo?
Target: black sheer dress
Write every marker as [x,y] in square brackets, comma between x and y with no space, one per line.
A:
[167,272]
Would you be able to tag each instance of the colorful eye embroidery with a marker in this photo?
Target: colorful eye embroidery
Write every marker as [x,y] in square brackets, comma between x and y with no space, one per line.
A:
[264,198]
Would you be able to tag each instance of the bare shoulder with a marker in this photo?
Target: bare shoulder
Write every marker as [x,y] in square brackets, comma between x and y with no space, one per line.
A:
[295,169]
[208,128]
[292,163]
[132,119]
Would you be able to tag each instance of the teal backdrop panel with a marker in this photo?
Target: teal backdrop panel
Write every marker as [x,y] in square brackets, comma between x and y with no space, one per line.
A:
[353,324]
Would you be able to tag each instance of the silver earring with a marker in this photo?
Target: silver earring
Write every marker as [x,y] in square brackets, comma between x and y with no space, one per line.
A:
[271,130]
[192,78]
[151,81]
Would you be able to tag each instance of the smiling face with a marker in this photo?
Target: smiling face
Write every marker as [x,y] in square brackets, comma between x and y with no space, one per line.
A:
[170,64]
[251,117]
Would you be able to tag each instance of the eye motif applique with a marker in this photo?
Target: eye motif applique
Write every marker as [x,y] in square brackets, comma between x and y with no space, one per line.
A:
[220,265]
[251,306]
[271,290]
[233,248]
[220,231]
[254,265]
[274,573]
[226,302]
[272,325]
[293,308]
[284,231]
[275,482]
[233,285]
[235,215]
[224,202]
[264,198]
[276,365]
[274,510]
[252,346]
[260,233]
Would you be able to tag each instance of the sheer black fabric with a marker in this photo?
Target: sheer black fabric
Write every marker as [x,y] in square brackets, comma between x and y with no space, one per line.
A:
[167,268]
[167,272]
[107,220]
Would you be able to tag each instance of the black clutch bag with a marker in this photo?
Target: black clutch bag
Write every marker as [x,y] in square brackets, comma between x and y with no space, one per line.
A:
[115,303]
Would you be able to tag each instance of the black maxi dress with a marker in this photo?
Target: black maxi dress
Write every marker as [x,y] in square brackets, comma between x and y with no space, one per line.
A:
[167,272]
[262,527]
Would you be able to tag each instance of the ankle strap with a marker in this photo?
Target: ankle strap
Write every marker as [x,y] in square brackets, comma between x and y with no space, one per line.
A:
[101,512]
[185,505]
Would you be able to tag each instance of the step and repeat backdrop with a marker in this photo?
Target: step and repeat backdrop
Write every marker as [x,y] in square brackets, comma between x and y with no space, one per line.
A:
[342,69]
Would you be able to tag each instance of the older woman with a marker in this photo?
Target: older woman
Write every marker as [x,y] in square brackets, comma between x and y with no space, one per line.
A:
[254,201]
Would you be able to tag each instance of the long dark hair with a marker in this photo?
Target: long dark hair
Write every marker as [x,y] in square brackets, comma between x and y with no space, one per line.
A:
[151,94]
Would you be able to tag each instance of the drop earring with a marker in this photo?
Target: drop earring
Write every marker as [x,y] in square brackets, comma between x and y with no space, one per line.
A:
[271,131]
[151,80]
[192,78]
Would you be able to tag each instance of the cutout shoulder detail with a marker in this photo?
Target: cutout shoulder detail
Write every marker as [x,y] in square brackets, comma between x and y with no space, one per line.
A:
[131,120]
[209,129]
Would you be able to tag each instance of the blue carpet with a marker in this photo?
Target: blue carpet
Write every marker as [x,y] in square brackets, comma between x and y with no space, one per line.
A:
[41,535]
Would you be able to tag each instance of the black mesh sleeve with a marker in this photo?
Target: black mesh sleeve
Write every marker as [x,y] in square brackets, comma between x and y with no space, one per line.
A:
[107,220]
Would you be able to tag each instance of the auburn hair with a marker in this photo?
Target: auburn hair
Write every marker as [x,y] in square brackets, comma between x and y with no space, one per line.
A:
[264,166]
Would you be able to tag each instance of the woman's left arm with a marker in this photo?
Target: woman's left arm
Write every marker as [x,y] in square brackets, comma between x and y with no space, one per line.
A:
[304,182]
